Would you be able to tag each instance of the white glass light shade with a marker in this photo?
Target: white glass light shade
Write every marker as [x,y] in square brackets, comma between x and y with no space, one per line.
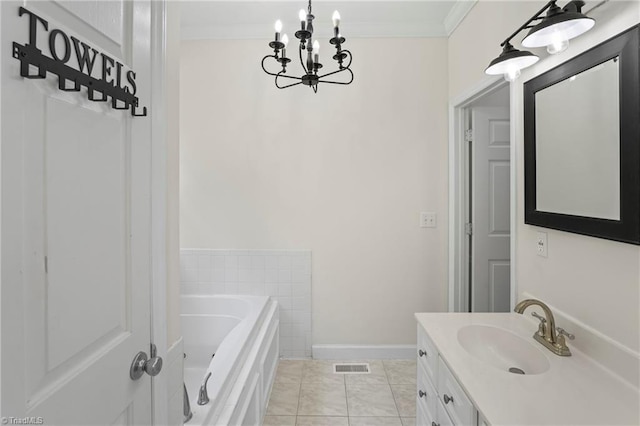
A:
[506,66]
[565,30]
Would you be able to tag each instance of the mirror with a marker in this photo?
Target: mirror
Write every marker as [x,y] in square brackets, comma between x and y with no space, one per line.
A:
[582,162]
[578,159]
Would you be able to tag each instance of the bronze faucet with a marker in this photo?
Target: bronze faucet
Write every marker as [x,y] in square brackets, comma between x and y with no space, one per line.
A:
[546,334]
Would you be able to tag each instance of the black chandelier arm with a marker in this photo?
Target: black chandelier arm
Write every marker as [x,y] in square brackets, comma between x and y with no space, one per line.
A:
[338,82]
[526,24]
[304,67]
[348,52]
[286,76]
[280,74]
[263,67]
[344,68]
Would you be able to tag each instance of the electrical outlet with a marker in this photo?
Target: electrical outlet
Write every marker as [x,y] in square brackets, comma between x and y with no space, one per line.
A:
[427,220]
[541,244]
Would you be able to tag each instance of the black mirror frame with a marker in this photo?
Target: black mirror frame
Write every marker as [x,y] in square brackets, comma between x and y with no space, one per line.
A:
[625,45]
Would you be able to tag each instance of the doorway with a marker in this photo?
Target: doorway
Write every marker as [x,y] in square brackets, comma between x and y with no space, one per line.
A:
[482,204]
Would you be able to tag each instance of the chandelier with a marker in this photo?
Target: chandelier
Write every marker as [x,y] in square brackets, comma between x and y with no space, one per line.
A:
[311,65]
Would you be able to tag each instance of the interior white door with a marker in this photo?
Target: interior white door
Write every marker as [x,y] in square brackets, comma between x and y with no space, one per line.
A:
[490,242]
[75,230]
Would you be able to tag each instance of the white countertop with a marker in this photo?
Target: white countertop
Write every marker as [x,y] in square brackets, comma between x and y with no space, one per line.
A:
[574,391]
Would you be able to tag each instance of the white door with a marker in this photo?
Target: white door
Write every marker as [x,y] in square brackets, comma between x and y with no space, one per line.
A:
[75,230]
[490,246]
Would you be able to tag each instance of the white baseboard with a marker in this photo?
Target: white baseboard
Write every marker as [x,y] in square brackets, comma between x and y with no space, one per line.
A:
[360,352]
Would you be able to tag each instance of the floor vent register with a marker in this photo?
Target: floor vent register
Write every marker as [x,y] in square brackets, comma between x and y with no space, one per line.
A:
[351,368]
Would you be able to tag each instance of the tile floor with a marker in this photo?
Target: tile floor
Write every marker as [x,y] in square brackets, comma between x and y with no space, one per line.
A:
[308,393]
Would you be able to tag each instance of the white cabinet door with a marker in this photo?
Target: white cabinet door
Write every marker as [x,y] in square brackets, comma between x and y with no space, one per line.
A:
[75,230]
[456,402]
[442,418]
[427,354]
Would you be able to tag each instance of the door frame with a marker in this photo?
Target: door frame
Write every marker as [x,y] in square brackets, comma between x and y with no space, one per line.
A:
[458,192]
[1,229]
[159,185]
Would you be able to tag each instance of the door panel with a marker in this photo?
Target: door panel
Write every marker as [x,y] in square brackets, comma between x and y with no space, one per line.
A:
[75,183]
[86,226]
[499,286]
[491,217]
[107,24]
[103,16]
[499,197]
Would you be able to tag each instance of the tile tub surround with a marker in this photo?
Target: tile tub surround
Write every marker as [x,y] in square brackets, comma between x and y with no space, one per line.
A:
[307,392]
[285,275]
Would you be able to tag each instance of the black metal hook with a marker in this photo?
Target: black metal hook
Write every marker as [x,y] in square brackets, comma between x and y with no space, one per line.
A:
[134,114]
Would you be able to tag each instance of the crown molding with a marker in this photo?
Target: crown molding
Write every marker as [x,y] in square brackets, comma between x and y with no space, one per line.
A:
[369,26]
[356,30]
[457,14]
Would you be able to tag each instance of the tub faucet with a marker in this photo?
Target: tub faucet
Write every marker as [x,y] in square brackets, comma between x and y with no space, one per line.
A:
[203,396]
[546,334]
[186,406]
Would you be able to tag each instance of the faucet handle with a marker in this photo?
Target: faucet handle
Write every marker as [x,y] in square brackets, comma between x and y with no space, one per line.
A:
[542,319]
[564,332]
[542,327]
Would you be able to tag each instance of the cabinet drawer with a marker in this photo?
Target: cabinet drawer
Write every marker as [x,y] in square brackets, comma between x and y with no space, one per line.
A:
[427,354]
[429,396]
[423,417]
[456,402]
[442,417]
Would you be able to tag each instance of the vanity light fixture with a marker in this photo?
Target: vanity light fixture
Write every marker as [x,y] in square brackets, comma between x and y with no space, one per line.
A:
[558,27]
[554,31]
[510,62]
[312,64]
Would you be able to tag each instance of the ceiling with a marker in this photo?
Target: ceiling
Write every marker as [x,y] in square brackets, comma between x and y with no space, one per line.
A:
[240,19]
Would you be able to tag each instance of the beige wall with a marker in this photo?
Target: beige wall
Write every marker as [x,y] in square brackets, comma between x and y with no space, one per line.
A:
[476,41]
[595,281]
[344,172]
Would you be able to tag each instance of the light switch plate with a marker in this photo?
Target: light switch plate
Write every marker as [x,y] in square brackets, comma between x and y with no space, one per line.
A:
[541,244]
[427,220]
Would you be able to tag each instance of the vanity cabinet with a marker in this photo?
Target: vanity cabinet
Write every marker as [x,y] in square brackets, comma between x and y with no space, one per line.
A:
[441,401]
[464,379]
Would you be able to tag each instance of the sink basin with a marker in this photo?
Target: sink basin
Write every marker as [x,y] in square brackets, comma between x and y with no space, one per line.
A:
[503,349]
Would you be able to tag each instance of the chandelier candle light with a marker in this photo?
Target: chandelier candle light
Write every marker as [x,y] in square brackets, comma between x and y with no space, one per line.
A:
[312,64]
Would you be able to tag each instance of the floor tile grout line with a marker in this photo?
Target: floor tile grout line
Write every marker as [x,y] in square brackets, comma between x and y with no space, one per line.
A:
[346,398]
[299,396]
[396,403]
